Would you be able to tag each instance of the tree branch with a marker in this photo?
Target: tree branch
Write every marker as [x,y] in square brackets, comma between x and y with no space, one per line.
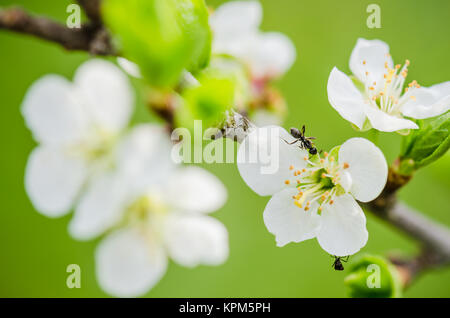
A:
[90,37]
[92,9]
[434,237]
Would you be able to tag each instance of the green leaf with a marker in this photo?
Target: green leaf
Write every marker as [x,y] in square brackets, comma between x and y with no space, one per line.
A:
[428,143]
[373,276]
[163,37]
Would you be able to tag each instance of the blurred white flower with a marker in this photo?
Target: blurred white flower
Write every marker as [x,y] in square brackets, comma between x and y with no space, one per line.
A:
[154,210]
[236,32]
[313,196]
[374,96]
[76,125]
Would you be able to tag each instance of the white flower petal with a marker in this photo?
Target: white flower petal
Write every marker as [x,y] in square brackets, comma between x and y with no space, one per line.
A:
[288,222]
[130,67]
[262,117]
[346,98]
[367,168]
[370,56]
[428,102]
[196,190]
[107,93]
[100,208]
[343,227]
[236,17]
[53,180]
[273,54]
[196,239]
[51,112]
[385,122]
[264,159]
[143,156]
[128,265]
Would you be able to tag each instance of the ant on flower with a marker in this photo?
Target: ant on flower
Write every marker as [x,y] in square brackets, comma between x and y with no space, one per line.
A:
[305,142]
[337,264]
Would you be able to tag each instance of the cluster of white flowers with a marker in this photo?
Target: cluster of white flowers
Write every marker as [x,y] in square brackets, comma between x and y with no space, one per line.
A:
[122,184]
[118,180]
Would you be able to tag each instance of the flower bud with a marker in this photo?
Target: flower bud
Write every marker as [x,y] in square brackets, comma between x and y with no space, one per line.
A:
[373,276]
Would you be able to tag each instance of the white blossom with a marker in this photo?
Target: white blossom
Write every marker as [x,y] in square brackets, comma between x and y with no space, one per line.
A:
[375,95]
[314,196]
[236,32]
[76,125]
[151,210]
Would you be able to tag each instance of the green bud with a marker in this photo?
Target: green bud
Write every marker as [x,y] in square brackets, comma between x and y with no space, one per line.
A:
[207,101]
[373,276]
[428,143]
[163,37]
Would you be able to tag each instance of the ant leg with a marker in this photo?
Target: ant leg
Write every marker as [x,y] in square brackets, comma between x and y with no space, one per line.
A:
[290,143]
[303,130]
[346,258]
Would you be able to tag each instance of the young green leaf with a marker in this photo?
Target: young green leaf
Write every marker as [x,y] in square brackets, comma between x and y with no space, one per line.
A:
[428,143]
[163,37]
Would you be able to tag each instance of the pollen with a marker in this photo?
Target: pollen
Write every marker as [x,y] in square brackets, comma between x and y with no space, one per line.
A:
[291,167]
[364,62]
[346,165]
[287,181]
[306,208]
[331,202]
[298,204]
[305,158]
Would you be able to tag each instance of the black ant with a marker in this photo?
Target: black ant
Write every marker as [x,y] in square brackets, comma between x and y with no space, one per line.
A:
[337,264]
[305,142]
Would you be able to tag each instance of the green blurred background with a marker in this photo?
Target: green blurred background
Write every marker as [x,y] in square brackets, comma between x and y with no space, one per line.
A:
[35,250]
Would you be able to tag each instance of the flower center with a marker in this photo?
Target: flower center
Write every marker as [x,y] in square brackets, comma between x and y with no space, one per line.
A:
[146,208]
[387,94]
[319,182]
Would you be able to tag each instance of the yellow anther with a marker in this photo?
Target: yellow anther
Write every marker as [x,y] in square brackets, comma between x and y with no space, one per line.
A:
[364,62]
[305,158]
[407,62]
[306,208]
[331,158]
[324,175]
[331,202]
[291,167]
[325,154]
[346,165]
[298,204]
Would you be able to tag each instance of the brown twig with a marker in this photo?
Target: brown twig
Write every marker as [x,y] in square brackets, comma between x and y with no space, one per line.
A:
[92,9]
[90,37]
[433,237]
